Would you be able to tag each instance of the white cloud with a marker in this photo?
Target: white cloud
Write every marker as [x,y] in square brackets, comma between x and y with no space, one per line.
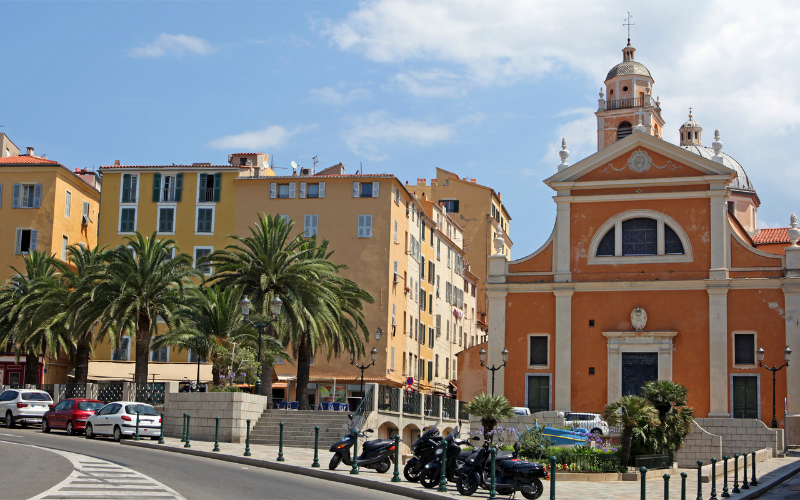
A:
[268,138]
[370,134]
[174,45]
[431,83]
[329,95]
[581,136]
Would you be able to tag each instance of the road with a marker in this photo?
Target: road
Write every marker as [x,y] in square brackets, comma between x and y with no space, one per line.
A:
[26,472]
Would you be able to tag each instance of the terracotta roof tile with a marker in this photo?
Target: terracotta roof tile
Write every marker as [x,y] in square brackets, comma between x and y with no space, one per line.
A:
[772,235]
[201,165]
[247,154]
[26,160]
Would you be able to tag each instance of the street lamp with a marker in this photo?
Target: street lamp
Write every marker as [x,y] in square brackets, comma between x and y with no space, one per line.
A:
[374,354]
[275,310]
[786,354]
[482,356]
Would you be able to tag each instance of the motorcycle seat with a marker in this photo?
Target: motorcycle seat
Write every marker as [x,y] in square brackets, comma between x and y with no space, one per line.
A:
[502,455]
[377,443]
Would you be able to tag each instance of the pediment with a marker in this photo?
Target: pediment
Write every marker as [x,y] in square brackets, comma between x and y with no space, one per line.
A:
[640,157]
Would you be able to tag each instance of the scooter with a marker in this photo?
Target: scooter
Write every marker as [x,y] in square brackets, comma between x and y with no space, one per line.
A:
[424,451]
[431,473]
[376,454]
[511,474]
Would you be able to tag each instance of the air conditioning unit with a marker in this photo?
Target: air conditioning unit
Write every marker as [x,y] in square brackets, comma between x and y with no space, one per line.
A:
[396,280]
[306,171]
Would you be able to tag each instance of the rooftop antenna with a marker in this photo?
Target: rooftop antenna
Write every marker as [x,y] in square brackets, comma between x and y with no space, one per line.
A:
[315,159]
[294,165]
[628,23]
[361,167]
[272,162]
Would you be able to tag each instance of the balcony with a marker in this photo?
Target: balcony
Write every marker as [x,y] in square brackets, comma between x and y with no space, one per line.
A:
[633,102]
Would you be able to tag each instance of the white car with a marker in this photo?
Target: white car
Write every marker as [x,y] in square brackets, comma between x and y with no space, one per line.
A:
[118,419]
[522,410]
[24,406]
[592,422]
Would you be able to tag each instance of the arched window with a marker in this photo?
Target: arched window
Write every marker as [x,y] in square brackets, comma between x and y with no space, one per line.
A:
[624,130]
[640,236]
[695,135]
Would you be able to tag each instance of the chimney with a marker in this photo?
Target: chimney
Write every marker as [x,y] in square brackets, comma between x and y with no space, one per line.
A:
[30,151]
[116,163]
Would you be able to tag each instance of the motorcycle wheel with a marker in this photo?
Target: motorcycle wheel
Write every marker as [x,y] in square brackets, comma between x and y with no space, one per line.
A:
[412,471]
[534,495]
[334,461]
[384,466]
[429,479]
[467,484]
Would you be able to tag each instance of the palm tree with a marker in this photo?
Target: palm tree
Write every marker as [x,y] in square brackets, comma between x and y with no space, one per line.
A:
[675,418]
[633,413]
[143,283]
[490,409]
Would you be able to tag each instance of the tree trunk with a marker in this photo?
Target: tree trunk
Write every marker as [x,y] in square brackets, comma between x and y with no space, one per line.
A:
[625,449]
[82,354]
[266,382]
[303,372]
[31,368]
[215,375]
[142,349]
[488,427]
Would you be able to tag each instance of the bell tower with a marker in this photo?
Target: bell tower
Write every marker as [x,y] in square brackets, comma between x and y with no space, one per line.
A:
[691,132]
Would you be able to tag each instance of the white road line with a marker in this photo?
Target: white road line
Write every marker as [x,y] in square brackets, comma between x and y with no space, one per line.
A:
[95,478]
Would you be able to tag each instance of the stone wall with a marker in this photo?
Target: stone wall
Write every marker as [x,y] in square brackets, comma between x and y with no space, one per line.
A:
[544,418]
[233,408]
[699,445]
[741,435]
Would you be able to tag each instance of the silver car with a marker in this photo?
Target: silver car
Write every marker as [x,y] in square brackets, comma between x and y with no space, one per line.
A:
[24,406]
[118,419]
[592,422]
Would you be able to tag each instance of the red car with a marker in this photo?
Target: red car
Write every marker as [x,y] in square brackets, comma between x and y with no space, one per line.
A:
[70,414]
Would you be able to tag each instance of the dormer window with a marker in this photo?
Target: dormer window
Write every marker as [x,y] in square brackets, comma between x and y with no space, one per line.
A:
[640,236]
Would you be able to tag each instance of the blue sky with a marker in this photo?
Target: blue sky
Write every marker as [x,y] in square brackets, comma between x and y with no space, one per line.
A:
[484,89]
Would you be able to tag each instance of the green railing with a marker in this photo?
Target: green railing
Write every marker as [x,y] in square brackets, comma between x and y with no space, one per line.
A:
[361,414]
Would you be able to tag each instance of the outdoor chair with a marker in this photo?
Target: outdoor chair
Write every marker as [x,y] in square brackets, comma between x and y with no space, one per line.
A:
[326,406]
[294,405]
[282,405]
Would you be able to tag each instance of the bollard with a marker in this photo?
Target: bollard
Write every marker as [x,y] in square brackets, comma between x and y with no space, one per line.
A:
[354,470]
[745,484]
[136,435]
[735,474]
[161,430]
[666,486]
[492,489]
[683,485]
[183,432]
[753,481]
[216,435]
[713,479]
[188,424]
[725,493]
[396,476]
[443,480]
[699,480]
[316,447]
[247,440]
[553,478]
[280,446]
[643,494]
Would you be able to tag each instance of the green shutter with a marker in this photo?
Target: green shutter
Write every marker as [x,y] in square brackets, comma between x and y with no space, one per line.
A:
[430,371]
[217,186]
[156,187]
[201,192]
[126,188]
[455,206]
[178,187]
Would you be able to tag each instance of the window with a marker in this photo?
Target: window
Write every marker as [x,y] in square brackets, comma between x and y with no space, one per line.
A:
[422,267]
[27,240]
[200,252]
[130,188]
[194,357]
[365,189]
[127,220]
[209,187]
[27,196]
[639,237]
[166,220]
[422,334]
[365,226]
[64,246]
[430,371]
[624,130]
[423,231]
[161,355]
[310,225]
[85,214]
[744,349]
[438,325]
[167,187]
[67,204]
[607,244]
[395,231]
[447,368]
[283,190]
[431,337]
[391,360]
[672,243]
[450,205]
[438,249]
[123,352]
[205,219]
[537,350]
[312,191]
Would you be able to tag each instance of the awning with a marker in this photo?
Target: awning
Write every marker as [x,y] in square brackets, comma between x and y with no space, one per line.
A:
[122,371]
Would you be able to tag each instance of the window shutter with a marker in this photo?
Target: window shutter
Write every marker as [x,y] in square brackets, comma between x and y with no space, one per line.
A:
[302,190]
[292,186]
[355,190]
[392,361]
[217,186]
[156,188]
[178,187]
[368,225]
[1,194]
[360,226]
[375,187]
[17,247]
[85,212]
[34,239]
[37,196]
[430,371]
[307,226]
[315,223]
[201,192]
[322,190]
[273,189]
[126,188]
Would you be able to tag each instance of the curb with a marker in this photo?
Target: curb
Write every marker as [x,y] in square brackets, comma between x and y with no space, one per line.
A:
[394,488]
[771,485]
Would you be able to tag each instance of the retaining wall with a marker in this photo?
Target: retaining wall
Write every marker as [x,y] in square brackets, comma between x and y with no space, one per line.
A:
[233,408]
[740,435]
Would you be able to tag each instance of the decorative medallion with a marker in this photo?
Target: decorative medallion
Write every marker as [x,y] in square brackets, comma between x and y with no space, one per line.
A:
[639,162]
[638,319]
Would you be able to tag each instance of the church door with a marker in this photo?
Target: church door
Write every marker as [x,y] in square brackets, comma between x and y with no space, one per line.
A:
[538,393]
[745,397]
[638,368]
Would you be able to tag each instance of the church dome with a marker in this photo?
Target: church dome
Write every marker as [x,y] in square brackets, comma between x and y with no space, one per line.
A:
[628,68]
[741,182]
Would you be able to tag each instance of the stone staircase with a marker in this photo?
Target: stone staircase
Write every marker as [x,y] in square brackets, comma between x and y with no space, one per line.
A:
[298,429]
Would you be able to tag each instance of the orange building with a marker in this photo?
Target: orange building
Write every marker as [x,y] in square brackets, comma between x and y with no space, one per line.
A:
[651,272]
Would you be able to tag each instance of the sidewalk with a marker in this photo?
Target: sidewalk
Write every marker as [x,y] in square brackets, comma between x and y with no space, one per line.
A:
[298,461]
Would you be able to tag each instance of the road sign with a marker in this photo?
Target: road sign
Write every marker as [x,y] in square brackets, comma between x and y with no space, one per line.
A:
[410,381]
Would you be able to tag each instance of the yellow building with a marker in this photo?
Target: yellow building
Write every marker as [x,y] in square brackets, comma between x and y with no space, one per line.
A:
[45,207]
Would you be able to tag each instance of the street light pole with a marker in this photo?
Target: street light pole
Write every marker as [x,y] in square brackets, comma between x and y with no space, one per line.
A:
[493,368]
[362,367]
[786,354]
[245,305]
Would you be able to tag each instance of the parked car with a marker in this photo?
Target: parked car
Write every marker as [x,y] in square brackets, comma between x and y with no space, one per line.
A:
[70,414]
[592,422]
[24,406]
[118,419]
[522,410]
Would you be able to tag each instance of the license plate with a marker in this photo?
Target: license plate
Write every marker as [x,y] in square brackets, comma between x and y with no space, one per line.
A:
[40,406]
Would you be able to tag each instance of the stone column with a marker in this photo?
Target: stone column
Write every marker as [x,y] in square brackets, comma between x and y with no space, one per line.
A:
[497,340]
[718,352]
[791,291]
[562,247]
[563,350]
[719,235]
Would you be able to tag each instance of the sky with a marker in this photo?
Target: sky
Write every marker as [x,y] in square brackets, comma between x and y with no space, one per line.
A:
[485,89]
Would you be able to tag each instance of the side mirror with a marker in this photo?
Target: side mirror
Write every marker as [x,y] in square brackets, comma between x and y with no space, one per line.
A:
[369,430]
[476,438]
[517,447]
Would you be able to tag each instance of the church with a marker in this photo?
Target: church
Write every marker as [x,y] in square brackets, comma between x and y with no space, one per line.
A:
[653,271]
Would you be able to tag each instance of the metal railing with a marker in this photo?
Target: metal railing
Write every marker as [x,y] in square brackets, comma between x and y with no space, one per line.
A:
[449,408]
[593,462]
[49,389]
[208,195]
[432,405]
[72,391]
[109,391]
[412,403]
[388,398]
[365,408]
[150,393]
[462,413]
[633,102]
[663,461]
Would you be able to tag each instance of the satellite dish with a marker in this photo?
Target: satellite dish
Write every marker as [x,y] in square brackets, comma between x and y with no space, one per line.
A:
[294,164]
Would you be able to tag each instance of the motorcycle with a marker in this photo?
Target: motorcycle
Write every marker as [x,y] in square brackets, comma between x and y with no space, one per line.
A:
[431,473]
[511,474]
[376,454]
[424,451]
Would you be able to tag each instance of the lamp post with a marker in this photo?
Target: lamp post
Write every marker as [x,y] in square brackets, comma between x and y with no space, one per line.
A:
[786,354]
[373,354]
[482,355]
[245,305]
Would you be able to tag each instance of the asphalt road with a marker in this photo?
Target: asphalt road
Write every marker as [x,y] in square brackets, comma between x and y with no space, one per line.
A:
[195,478]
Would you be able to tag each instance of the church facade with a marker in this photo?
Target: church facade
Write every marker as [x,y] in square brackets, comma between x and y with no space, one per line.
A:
[651,272]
